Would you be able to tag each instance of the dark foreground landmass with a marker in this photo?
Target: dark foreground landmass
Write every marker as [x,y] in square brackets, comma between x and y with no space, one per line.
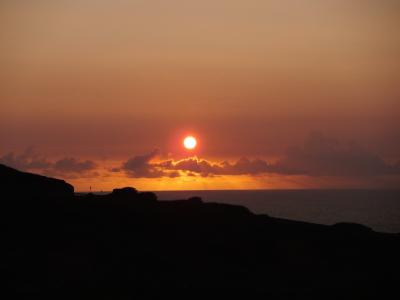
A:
[128,245]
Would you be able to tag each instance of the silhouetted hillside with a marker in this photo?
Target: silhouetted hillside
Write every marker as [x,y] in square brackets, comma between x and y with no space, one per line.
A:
[128,245]
[32,185]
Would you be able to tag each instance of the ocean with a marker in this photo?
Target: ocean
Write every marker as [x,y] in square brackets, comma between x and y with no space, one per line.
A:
[377,209]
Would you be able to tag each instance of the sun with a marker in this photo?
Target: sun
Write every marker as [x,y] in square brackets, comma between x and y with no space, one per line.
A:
[189,142]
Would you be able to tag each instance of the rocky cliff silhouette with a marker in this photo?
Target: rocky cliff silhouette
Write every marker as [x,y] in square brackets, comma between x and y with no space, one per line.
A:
[128,245]
[14,182]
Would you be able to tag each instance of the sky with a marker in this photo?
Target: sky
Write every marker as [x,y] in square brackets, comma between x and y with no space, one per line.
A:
[279,94]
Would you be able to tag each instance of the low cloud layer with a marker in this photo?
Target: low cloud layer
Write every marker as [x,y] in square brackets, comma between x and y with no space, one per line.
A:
[202,167]
[321,155]
[30,160]
[70,164]
[318,156]
[140,166]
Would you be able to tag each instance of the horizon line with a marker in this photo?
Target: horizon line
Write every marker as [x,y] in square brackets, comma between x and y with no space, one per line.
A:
[272,189]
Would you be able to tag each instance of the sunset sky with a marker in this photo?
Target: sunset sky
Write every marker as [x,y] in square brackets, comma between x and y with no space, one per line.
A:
[279,94]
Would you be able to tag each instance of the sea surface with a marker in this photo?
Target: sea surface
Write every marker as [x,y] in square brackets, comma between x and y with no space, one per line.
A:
[377,209]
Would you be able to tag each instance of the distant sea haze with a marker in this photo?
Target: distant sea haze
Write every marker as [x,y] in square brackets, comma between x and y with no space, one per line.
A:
[377,209]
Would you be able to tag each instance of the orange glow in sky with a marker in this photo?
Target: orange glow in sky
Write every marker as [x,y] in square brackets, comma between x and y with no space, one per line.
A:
[212,94]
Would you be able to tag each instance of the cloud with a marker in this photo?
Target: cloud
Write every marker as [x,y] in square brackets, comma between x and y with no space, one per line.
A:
[174,174]
[194,165]
[318,156]
[71,164]
[30,160]
[243,166]
[140,166]
[321,156]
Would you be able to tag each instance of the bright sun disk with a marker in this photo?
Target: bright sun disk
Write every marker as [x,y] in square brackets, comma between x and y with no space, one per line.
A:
[189,142]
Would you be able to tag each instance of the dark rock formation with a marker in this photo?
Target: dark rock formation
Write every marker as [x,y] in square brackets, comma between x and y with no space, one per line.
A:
[128,245]
[128,195]
[352,227]
[30,186]
[126,192]
[195,200]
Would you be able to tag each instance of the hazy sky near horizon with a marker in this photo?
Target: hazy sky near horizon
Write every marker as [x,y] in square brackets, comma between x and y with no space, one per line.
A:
[105,81]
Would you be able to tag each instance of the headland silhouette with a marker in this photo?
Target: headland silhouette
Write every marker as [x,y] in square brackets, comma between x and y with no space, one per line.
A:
[128,244]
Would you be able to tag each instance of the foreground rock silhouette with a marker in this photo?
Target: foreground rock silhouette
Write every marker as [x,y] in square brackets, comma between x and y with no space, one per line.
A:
[128,245]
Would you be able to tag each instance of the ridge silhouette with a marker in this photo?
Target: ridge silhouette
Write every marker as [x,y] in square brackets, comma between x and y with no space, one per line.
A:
[128,244]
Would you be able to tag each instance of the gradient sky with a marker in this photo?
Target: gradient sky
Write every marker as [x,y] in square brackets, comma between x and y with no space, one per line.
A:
[291,94]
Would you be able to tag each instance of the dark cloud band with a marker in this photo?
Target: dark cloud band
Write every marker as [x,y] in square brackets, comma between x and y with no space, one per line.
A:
[319,156]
